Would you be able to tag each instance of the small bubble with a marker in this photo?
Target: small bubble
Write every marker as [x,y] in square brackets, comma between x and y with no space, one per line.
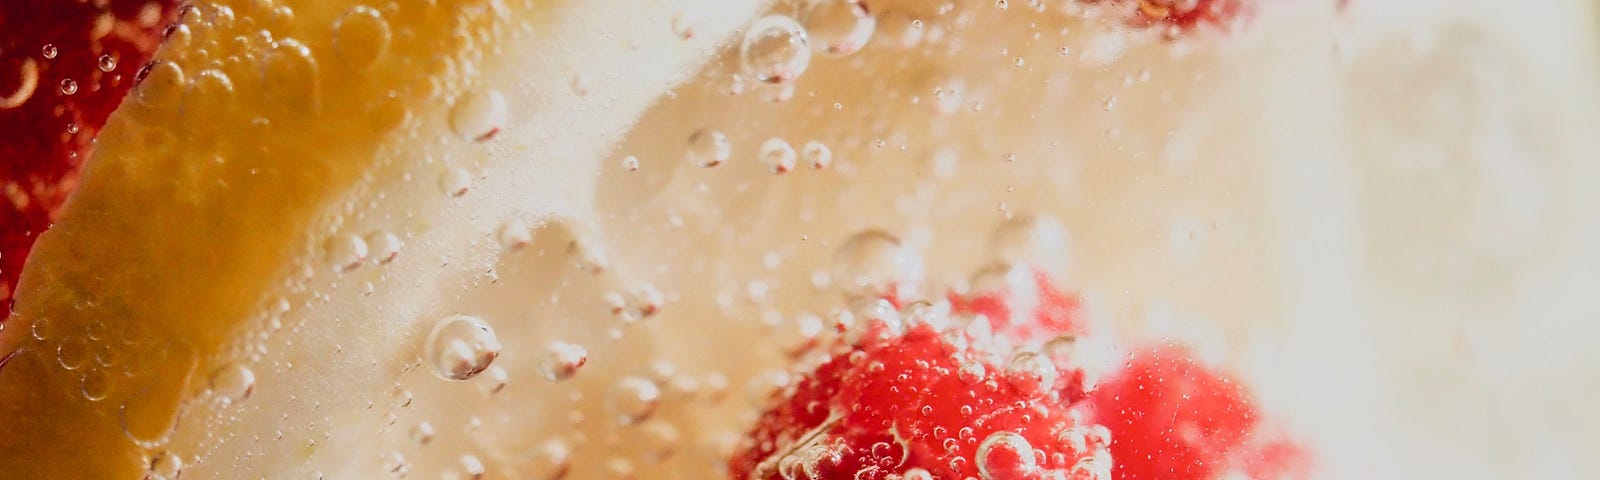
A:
[550,461]
[1038,241]
[395,463]
[471,467]
[460,347]
[345,252]
[775,92]
[971,372]
[233,382]
[900,30]
[683,26]
[630,163]
[107,63]
[817,154]
[455,181]
[493,380]
[873,262]
[774,50]
[479,115]
[68,86]
[870,318]
[1005,455]
[514,234]
[562,360]
[1031,374]
[164,465]
[648,300]
[777,156]
[422,433]
[916,474]
[383,247]
[49,51]
[633,399]
[95,384]
[708,148]
[588,256]
[361,37]
[839,27]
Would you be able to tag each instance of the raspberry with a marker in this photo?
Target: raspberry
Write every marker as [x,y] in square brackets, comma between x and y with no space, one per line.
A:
[1174,418]
[922,404]
[64,66]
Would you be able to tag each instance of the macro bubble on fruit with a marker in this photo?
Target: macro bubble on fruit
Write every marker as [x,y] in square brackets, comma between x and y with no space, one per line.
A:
[838,27]
[164,465]
[777,155]
[1031,373]
[1005,455]
[479,115]
[460,347]
[514,234]
[708,148]
[817,154]
[874,262]
[455,181]
[774,50]
[345,252]
[361,36]
[233,382]
[562,360]
[382,246]
[633,399]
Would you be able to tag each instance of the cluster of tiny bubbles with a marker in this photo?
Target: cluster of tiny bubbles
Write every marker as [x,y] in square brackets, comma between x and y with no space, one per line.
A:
[1095,442]
[873,262]
[460,347]
[708,148]
[777,155]
[479,115]
[455,181]
[164,465]
[817,154]
[774,50]
[1062,351]
[1005,455]
[934,314]
[549,461]
[233,382]
[838,27]
[562,360]
[1031,374]
[633,399]
[345,252]
[913,473]
[870,318]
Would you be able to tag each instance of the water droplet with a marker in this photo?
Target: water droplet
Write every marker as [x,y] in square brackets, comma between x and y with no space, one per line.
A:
[817,154]
[562,360]
[633,399]
[550,461]
[344,252]
[164,465]
[233,382]
[383,247]
[455,181]
[479,115]
[1031,374]
[49,51]
[1038,241]
[708,148]
[460,347]
[777,155]
[107,63]
[422,433]
[361,37]
[873,262]
[774,50]
[839,27]
[68,86]
[1005,455]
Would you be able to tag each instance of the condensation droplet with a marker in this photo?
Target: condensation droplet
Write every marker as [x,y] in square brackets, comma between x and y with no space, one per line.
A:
[479,115]
[873,262]
[633,399]
[774,50]
[562,360]
[1005,455]
[708,148]
[233,382]
[817,154]
[838,27]
[460,347]
[777,156]
[344,252]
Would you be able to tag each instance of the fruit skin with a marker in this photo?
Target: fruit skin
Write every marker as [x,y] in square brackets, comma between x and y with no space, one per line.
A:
[1174,418]
[47,127]
[897,402]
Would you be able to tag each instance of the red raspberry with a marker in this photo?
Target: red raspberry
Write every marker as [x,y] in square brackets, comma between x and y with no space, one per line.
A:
[1177,17]
[922,404]
[64,66]
[1174,418]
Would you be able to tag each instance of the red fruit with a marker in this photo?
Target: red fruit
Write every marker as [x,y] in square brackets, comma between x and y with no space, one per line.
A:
[1173,418]
[895,404]
[64,66]
[1178,17]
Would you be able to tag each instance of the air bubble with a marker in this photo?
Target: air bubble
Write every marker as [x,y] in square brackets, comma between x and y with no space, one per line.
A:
[164,465]
[107,63]
[479,115]
[460,347]
[562,360]
[68,86]
[550,461]
[344,252]
[633,399]
[630,163]
[233,382]
[395,464]
[817,154]
[471,467]
[361,37]
[1034,240]
[1031,374]
[777,156]
[873,262]
[49,51]
[493,380]
[839,27]
[514,234]
[422,433]
[27,82]
[1005,455]
[708,148]
[900,30]
[774,50]
[455,181]
[382,247]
